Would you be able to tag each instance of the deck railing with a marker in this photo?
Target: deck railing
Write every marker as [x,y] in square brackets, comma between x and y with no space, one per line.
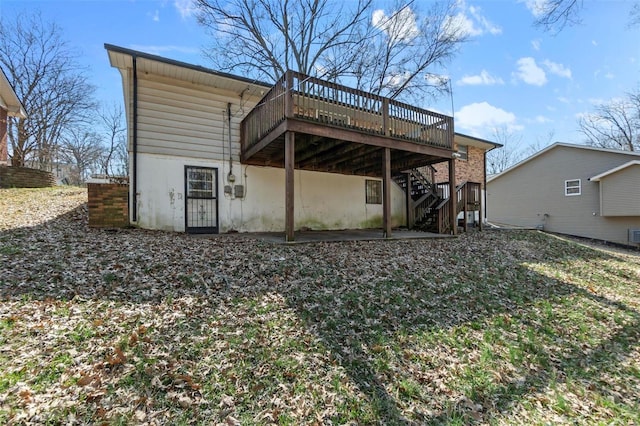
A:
[307,98]
[467,193]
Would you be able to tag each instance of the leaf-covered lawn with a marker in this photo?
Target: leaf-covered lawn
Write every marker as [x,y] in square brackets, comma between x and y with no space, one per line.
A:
[141,327]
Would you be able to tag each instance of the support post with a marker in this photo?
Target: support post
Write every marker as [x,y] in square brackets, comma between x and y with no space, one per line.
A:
[483,192]
[480,208]
[385,116]
[288,94]
[465,206]
[411,211]
[453,196]
[289,166]
[386,193]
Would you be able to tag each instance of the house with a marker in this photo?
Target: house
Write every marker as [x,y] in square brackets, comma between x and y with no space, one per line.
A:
[213,152]
[571,189]
[10,106]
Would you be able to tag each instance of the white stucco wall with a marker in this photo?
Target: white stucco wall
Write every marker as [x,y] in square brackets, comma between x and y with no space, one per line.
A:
[322,200]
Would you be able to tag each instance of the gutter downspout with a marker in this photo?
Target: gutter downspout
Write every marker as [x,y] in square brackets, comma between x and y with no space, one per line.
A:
[134,160]
[484,186]
[230,153]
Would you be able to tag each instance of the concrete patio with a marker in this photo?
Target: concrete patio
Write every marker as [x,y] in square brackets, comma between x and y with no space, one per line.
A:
[305,237]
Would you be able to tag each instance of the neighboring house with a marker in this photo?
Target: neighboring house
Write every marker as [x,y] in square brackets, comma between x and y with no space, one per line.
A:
[571,189]
[213,152]
[10,106]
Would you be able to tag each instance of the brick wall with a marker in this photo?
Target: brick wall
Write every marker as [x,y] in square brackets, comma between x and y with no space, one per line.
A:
[108,205]
[23,177]
[471,170]
[3,136]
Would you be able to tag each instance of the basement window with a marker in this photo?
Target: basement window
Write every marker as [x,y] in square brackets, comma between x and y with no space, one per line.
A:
[572,187]
[373,190]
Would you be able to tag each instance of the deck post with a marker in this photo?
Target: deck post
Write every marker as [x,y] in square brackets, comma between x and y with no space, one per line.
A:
[453,196]
[386,193]
[288,94]
[385,116]
[411,211]
[465,206]
[289,166]
[480,207]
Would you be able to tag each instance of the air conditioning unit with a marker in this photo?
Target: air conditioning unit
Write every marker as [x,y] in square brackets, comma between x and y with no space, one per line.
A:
[634,236]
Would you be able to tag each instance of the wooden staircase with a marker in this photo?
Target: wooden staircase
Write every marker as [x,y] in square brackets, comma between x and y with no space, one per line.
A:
[430,209]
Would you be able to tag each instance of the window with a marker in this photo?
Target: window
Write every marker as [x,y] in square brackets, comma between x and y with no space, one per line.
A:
[199,182]
[572,187]
[373,190]
[463,150]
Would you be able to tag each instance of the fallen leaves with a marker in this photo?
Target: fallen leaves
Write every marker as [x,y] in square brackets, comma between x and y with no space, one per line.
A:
[150,327]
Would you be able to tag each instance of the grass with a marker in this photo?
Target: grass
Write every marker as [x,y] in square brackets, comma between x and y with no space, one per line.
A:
[142,327]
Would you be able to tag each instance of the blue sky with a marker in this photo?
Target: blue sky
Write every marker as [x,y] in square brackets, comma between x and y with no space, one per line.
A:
[509,75]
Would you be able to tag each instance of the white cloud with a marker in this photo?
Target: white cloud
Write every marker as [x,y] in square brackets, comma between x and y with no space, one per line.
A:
[186,8]
[397,80]
[401,25]
[483,118]
[470,22]
[156,16]
[608,74]
[595,43]
[582,115]
[557,69]
[485,24]
[536,7]
[484,78]
[530,72]
[462,23]
[437,79]
[596,101]
[564,100]
[541,119]
[536,44]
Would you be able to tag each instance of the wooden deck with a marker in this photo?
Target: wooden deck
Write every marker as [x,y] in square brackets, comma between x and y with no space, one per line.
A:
[310,124]
[342,130]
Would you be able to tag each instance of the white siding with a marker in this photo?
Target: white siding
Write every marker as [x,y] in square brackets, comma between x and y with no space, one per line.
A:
[322,200]
[187,120]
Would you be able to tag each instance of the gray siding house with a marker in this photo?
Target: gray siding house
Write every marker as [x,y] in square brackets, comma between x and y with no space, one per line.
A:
[571,189]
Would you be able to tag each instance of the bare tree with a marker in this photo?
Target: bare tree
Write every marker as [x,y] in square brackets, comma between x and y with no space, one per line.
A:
[267,37]
[615,124]
[390,54]
[49,81]
[511,152]
[399,51]
[555,15]
[114,135]
[82,148]
[634,16]
[542,141]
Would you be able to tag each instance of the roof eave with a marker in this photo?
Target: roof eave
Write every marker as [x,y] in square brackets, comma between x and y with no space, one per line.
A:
[138,54]
[487,145]
[556,145]
[604,174]
[8,94]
